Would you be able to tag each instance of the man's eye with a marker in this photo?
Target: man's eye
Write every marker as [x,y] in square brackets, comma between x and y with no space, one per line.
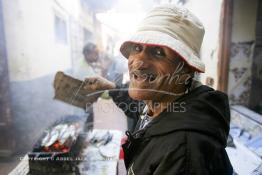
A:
[136,48]
[159,52]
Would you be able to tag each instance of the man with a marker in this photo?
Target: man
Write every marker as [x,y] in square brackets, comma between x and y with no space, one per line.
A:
[89,65]
[184,125]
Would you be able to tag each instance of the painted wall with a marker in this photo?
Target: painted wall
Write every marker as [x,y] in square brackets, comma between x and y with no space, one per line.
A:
[244,20]
[34,54]
[242,47]
[32,48]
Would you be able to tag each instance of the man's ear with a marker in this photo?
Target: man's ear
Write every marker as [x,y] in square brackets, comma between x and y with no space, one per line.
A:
[187,75]
[185,78]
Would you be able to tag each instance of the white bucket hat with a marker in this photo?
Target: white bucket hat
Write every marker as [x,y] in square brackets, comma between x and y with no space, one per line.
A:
[172,27]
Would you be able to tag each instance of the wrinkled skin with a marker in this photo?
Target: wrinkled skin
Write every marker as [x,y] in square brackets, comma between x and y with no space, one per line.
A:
[156,73]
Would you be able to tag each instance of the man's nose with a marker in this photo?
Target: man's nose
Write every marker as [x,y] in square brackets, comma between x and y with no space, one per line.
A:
[141,60]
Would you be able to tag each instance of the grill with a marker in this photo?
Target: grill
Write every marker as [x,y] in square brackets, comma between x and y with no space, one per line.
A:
[58,149]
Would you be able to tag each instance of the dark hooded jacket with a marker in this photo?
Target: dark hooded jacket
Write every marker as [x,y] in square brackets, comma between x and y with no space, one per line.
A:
[188,140]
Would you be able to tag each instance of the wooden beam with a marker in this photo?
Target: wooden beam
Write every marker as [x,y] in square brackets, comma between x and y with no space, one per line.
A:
[224,44]
[6,139]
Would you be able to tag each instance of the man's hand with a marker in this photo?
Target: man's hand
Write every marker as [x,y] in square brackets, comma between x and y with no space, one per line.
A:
[98,83]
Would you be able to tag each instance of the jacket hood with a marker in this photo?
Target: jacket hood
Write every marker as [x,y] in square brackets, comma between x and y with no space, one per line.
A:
[204,110]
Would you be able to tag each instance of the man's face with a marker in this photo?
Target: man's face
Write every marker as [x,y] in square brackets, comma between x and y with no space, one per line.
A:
[91,56]
[156,73]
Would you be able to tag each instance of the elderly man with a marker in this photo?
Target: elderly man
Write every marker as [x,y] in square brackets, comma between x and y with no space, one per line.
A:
[184,125]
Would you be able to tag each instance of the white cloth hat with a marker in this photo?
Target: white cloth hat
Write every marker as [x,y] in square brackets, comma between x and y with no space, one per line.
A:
[172,27]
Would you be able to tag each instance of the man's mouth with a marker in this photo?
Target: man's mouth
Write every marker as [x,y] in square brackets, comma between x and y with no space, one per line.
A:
[143,75]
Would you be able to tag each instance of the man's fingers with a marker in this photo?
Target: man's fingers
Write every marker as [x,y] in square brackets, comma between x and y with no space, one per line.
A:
[89,87]
[91,80]
[97,83]
[91,83]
